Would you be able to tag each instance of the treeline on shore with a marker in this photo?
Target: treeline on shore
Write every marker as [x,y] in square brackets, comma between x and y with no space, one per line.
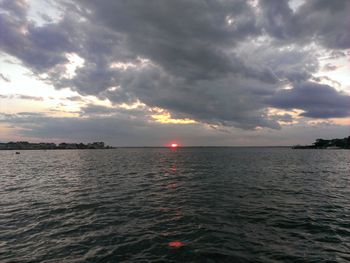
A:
[327,144]
[23,145]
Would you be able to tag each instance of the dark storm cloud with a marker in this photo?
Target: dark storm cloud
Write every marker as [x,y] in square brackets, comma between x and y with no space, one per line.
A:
[192,70]
[38,47]
[324,21]
[14,42]
[197,59]
[277,18]
[187,39]
[316,100]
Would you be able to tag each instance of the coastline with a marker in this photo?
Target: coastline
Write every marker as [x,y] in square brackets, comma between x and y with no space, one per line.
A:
[24,145]
[332,144]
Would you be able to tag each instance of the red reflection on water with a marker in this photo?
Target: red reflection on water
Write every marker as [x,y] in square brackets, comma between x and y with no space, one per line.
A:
[172,186]
[164,209]
[176,244]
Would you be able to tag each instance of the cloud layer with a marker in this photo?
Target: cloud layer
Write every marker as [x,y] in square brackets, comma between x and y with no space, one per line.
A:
[223,63]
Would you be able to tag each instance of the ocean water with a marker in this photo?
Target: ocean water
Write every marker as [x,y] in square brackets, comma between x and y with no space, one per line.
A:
[184,205]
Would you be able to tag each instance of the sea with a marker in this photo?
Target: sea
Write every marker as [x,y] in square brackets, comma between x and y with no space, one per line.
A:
[175,205]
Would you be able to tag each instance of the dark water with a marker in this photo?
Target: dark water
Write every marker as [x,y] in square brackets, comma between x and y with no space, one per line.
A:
[216,204]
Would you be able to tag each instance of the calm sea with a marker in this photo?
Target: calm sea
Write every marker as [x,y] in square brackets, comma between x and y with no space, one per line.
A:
[184,205]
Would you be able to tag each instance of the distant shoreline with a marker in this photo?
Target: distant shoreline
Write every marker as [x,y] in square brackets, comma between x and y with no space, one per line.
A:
[182,147]
[38,146]
[24,145]
[327,144]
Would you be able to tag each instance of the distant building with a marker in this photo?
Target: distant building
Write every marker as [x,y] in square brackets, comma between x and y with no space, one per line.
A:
[96,145]
[23,145]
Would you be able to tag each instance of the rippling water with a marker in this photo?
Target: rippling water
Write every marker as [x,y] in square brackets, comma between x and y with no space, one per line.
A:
[188,205]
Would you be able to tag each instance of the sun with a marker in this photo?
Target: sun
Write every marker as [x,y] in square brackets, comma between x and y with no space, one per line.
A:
[173,145]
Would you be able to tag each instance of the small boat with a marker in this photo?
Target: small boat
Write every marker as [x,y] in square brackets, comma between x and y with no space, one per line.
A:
[18,153]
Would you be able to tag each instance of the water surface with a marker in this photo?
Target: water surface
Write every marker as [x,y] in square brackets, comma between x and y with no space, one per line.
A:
[184,205]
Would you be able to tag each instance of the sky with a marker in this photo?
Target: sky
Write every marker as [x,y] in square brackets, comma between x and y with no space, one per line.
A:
[194,72]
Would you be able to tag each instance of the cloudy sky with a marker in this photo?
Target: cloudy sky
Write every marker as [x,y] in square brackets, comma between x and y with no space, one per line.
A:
[136,73]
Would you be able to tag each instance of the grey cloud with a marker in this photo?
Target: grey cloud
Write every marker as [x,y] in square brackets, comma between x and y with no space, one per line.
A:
[186,38]
[55,110]
[30,114]
[330,67]
[324,21]
[195,75]
[277,18]
[291,63]
[327,21]
[75,98]
[326,79]
[316,100]
[4,78]
[335,54]
[39,48]
[123,131]
[197,64]
[118,130]
[45,17]
[284,118]
[229,101]
[26,97]
[22,97]
[194,21]
[92,109]
[18,8]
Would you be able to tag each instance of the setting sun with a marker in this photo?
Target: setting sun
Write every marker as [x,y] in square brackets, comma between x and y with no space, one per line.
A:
[173,145]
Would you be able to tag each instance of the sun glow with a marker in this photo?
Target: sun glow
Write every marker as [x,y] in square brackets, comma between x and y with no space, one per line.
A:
[174,145]
[163,116]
